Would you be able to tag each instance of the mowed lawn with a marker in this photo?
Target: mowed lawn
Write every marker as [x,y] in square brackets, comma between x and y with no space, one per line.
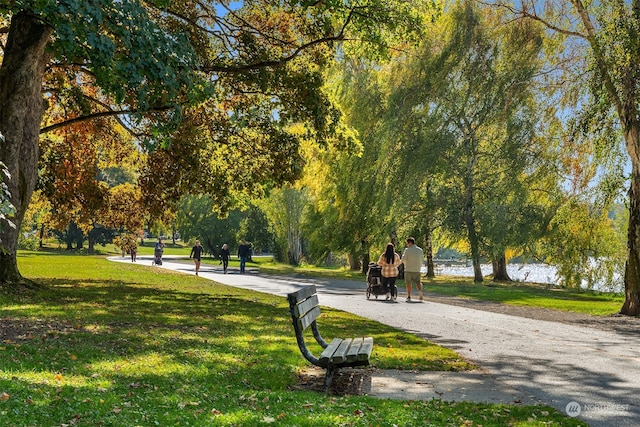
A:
[529,295]
[117,344]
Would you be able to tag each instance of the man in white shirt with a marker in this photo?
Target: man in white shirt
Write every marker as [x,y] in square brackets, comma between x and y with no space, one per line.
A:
[412,260]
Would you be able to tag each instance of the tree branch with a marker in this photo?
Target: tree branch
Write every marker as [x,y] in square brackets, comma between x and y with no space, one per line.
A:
[87,117]
[281,61]
[523,13]
[598,56]
[270,64]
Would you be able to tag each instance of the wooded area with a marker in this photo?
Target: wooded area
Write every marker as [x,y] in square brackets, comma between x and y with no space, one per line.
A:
[322,129]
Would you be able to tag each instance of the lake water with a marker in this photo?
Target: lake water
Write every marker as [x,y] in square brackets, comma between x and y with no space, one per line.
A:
[536,273]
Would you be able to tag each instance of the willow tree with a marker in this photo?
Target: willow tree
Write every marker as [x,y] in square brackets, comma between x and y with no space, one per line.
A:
[355,219]
[602,39]
[146,63]
[466,124]
[284,210]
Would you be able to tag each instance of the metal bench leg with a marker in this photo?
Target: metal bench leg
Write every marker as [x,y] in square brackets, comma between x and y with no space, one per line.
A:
[328,378]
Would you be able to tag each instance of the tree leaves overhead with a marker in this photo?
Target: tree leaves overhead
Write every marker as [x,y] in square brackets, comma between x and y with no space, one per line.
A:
[125,45]
[213,86]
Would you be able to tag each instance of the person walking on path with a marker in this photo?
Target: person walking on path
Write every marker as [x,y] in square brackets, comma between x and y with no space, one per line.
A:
[158,251]
[243,254]
[133,249]
[412,260]
[196,254]
[224,257]
[389,261]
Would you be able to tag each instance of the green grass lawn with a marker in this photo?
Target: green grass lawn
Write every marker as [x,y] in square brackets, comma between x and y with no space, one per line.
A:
[113,344]
[530,295]
[269,266]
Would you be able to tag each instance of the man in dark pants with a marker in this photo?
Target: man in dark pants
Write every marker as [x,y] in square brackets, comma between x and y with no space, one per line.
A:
[243,254]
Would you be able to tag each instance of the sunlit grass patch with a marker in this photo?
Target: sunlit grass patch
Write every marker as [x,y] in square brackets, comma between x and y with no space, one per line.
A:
[52,378]
[144,364]
[530,295]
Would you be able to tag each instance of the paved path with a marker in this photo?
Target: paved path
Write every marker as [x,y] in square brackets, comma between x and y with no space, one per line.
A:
[594,373]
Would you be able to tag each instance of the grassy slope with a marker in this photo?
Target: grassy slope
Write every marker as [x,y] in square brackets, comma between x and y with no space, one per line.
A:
[122,345]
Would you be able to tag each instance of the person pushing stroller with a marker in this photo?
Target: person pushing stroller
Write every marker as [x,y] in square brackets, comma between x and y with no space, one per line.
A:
[389,261]
[157,252]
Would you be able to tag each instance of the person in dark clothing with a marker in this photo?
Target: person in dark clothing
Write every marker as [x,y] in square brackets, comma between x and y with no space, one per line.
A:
[196,254]
[224,257]
[243,254]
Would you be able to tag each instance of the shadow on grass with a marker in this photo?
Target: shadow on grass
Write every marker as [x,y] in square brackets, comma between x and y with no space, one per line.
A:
[118,319]
[103,340]
[115,352]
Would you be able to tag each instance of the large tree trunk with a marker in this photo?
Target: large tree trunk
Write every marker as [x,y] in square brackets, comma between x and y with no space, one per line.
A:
[472,235]
[92,244]
[499,265]
[366,258]
[295,245]
[354,262]
[41,239]
[477,270]
[21,109]
[475,250]
[631,306]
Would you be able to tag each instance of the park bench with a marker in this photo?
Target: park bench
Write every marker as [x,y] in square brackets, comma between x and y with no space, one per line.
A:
[340,353]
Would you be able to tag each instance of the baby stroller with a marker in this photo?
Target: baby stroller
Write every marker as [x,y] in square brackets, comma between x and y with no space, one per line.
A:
[157,256]
[374,282]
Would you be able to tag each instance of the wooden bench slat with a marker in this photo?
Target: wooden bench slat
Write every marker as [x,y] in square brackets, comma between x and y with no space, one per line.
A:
[305,306]
[305,321]
[303,293]
[340,355]
[365,349]
[327,353]
[352,354]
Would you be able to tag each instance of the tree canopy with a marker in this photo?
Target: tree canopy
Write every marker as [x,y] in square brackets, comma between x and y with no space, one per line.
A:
[240,73]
